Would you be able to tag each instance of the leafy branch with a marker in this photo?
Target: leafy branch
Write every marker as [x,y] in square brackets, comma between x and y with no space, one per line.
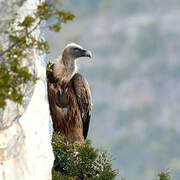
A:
[164,175]
[74,161]
[21,42]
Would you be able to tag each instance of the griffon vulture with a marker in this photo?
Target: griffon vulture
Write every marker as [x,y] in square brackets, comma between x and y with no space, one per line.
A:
[69,95]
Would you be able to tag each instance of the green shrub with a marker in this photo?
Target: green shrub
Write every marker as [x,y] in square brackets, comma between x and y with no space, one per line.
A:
[164,175]
[74,161]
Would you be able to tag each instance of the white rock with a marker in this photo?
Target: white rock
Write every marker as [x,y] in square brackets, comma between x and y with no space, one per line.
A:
[25,142]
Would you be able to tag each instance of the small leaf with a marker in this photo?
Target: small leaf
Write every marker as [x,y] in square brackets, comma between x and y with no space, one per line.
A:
[49,66]
[27,22]
[55,27]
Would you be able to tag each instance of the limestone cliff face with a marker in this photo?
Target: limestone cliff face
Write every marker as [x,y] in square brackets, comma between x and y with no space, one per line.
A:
[25,148]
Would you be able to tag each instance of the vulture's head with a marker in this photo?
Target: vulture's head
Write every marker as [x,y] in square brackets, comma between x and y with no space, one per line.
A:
[73,51]
[70,53]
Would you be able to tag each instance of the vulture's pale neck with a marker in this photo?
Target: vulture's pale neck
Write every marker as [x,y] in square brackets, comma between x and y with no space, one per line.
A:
[64,69]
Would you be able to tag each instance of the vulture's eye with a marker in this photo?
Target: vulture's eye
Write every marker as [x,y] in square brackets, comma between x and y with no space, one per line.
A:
[76,49]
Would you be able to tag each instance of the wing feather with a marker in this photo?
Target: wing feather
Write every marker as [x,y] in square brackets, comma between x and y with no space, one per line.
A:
[83,95]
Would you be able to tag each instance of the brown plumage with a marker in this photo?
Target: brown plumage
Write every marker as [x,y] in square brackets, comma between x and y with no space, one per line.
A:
[69,96]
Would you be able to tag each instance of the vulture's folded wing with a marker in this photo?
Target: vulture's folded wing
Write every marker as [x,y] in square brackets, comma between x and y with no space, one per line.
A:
[83,94]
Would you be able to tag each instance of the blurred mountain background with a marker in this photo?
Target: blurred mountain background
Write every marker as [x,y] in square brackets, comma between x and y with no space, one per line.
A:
[134,77]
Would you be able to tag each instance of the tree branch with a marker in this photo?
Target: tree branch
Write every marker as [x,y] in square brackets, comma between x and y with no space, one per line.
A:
[13,45]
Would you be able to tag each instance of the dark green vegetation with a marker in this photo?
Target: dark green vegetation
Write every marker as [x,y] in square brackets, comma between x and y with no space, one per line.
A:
[164,175]
[20,43]
[73,161]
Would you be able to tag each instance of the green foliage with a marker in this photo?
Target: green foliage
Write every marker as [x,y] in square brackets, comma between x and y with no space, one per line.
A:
[74,161]
[21,42]
[164,175]
[48,66]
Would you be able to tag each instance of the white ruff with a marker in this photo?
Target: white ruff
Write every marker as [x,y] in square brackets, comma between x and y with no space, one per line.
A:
[65,73]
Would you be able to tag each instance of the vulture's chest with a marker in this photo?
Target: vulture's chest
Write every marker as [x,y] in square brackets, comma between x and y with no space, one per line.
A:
[65,100]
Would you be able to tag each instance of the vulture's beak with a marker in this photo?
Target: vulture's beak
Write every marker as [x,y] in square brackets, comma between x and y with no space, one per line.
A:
[87,53]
